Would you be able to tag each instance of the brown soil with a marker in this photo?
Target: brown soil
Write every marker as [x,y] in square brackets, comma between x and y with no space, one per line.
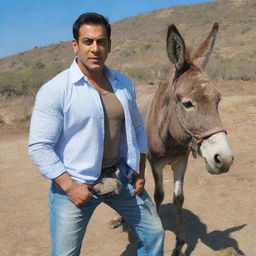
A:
[219,210]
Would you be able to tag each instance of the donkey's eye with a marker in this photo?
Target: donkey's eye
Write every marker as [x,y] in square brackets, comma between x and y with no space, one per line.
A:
[187,104]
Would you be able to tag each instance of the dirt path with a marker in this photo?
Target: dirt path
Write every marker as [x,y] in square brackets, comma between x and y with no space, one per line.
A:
[220,211]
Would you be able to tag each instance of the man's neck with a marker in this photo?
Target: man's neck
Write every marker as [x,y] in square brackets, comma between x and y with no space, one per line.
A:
[96,76]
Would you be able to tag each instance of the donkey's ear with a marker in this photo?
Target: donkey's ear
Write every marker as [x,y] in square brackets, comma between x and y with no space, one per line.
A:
[201,56]
[176,47]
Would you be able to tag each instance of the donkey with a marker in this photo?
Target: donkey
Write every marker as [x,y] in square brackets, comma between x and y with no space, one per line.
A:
[183,117]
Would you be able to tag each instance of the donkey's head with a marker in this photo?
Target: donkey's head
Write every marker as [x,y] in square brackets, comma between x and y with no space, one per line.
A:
[196,102]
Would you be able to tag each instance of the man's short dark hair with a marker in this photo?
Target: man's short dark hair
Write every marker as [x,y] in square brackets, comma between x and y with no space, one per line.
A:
[90,18]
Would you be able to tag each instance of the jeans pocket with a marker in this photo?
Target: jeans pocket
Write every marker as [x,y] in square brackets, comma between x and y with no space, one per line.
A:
[57,196]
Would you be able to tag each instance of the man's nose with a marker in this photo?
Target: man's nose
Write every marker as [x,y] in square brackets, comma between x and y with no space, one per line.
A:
[94,46]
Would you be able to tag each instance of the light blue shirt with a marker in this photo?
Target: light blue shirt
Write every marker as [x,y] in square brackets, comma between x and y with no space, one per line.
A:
[67,126]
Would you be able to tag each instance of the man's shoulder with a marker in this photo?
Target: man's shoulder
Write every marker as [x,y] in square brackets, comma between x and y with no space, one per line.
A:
[58,82]
[123,82]
[121,77]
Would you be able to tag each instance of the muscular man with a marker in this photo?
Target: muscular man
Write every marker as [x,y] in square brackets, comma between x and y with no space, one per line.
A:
[86,123]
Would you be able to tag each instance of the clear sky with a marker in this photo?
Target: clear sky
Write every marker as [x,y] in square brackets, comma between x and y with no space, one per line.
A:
[25,24]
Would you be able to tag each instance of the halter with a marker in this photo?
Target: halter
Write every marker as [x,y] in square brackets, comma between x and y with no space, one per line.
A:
[197,139]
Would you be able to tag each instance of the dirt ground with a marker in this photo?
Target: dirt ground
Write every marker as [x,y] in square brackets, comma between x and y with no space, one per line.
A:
[219,211]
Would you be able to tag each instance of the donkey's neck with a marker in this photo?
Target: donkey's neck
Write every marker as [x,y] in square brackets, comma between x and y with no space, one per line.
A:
[157,120]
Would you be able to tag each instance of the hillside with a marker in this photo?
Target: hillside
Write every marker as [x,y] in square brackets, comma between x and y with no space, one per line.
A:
[138,43]
[138,48]
[142,47]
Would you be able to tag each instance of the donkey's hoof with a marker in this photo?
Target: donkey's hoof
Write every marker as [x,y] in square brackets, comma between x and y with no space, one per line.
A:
[177,253]
[178,248]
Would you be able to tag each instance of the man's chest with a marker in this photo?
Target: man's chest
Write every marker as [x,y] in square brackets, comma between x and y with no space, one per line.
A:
[83,104]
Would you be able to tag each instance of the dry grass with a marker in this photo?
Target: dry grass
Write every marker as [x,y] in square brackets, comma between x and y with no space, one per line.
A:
[15,110]
[253,102]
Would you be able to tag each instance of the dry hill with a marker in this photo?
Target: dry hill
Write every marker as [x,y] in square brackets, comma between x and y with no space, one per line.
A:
[138,43]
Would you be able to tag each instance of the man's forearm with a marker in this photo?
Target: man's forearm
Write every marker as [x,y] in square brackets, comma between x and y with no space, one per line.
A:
[78,193]
[64,181]
[142,164]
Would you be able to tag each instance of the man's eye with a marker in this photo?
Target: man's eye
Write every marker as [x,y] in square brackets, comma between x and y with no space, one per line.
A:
[88,42]
[101,42]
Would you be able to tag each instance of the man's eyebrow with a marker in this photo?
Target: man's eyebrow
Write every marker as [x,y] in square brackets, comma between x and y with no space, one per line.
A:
[87,38]
[92,38]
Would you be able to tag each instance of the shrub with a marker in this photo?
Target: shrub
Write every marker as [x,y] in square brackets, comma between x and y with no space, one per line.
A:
[237,68]
[138,74]
[147,46]
[28,80]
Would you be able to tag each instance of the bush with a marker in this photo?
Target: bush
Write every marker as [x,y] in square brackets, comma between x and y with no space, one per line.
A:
[147,46]
[138,74]
[237,68]
[26,81]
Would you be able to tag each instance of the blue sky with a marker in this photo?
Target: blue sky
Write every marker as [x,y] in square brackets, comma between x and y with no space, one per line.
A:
[25,24]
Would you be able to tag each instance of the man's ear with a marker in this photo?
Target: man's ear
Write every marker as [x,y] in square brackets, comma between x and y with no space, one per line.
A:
[75,46]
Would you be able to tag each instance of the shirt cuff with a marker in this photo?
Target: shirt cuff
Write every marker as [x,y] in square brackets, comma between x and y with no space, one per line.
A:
[54,171]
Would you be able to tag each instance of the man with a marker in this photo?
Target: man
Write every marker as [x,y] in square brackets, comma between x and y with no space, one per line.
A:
[86,122]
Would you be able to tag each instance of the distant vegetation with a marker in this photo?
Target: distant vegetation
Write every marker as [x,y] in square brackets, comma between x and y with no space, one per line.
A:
[26,81]
[237,68]
[138,47]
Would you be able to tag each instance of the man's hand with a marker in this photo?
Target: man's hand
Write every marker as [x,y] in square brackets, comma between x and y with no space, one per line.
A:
[138,178]
[139,182]
[79,193]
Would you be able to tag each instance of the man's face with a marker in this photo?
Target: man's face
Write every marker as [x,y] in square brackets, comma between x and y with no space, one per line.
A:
[92,47]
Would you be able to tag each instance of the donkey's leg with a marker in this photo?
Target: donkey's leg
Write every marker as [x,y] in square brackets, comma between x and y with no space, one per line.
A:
[157,170]
[179,168]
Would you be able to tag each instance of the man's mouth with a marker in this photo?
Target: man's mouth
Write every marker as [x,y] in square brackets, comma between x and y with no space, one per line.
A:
[94,59]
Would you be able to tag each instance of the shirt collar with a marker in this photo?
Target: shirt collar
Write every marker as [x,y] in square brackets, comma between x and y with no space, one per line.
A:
[109,73]
[77,74]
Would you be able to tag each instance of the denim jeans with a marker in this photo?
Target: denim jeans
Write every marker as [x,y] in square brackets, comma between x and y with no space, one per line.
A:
[68,222]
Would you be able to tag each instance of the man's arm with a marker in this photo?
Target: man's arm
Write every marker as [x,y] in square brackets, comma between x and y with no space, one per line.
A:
[138,124]
[139,178]
[78,193]
[45,129]
[141,136]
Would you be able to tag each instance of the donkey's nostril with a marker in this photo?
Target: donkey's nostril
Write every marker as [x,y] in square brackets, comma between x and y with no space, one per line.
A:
[218,160]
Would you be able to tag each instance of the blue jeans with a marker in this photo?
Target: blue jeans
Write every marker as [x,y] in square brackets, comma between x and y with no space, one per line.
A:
[68,222]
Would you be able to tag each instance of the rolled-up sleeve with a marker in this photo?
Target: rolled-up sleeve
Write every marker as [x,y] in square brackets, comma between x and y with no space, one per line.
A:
[45,128]
[138,124]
